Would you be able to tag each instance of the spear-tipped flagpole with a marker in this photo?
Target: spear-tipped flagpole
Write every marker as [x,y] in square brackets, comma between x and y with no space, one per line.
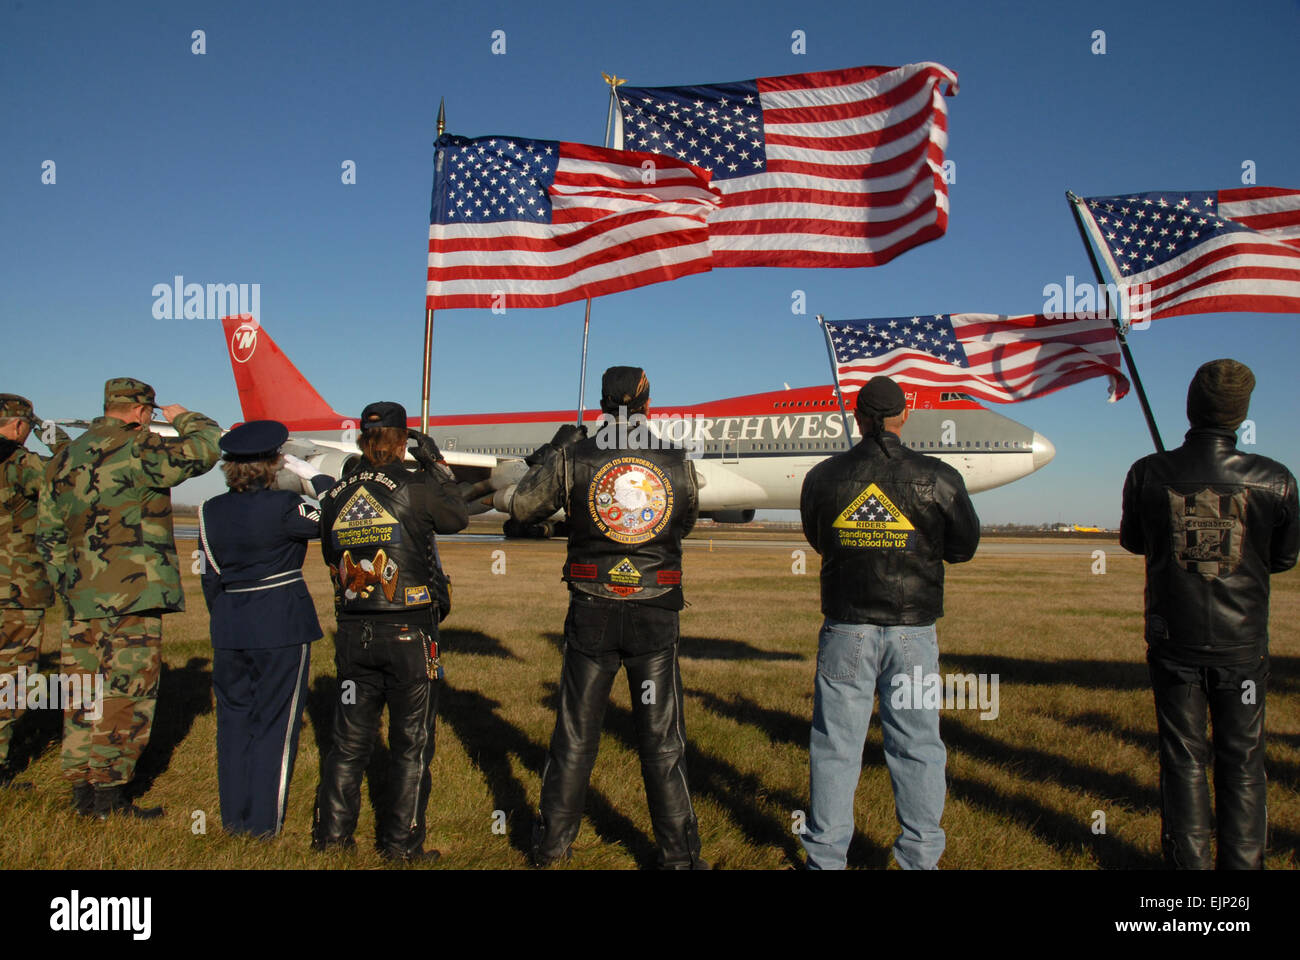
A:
[614,84]
[428,312]
[835,374]
[1076,207]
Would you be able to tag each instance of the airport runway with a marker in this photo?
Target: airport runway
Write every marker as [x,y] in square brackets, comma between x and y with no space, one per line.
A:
[1002,548]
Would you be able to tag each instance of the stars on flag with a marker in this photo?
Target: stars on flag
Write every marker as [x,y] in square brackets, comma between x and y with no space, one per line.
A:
[503,178]
[932,334]
[721,133]
[1146,230]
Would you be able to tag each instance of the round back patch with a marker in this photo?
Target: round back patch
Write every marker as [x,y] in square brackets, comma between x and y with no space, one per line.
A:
[630,500]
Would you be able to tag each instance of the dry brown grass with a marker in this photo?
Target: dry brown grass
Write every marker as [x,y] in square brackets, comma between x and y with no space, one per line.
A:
[1075,732]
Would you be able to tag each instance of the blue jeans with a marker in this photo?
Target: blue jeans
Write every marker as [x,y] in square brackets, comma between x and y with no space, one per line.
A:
[854,660]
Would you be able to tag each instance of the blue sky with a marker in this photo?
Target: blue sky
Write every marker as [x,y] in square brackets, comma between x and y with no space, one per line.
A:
[226,167]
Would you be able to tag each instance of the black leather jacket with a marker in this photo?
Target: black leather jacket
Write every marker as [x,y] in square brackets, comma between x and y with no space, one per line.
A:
[1213,523]
[628,511]
[884,525]
[377,530]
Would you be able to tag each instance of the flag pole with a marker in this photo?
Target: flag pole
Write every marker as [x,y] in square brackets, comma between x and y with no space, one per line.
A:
[614,84]
[428,312]
[835,373]
[1076,205]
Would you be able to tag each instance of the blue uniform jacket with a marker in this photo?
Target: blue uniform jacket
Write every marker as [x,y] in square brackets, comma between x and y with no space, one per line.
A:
[254,544]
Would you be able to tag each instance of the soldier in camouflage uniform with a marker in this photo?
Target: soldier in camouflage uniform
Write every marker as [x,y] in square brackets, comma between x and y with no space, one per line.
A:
[24,590]
[105,532]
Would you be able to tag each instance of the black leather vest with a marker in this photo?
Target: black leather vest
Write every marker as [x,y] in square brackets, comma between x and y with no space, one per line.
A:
[380,551]
[627,513]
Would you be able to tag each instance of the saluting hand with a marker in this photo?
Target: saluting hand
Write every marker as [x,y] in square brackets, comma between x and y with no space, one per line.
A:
[172,411]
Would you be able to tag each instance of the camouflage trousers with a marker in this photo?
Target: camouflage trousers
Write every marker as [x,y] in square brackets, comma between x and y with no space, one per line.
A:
[127,652]
[20,647]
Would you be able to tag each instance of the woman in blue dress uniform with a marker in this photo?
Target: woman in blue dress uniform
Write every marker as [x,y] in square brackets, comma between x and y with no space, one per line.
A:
[263,623]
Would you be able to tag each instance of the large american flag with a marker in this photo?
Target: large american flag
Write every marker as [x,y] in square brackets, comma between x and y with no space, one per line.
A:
[535,223]
[842,168]
[986,355]
[1202,251]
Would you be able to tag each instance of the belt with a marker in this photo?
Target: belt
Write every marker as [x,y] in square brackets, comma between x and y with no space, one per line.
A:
[268,583]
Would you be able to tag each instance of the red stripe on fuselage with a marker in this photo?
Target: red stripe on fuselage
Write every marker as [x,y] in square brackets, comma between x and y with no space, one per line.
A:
[777,402]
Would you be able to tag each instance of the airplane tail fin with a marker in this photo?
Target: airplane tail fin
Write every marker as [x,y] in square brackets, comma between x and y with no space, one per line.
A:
[270,386]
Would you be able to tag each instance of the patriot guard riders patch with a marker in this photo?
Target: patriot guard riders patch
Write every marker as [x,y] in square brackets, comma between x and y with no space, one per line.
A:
[363,522]
[873,521]
[630,500]
[1208,529]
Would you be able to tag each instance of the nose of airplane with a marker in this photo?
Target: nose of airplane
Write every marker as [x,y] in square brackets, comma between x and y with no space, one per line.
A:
[1044,450]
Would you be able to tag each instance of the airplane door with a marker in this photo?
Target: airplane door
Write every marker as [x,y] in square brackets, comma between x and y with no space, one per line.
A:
[731,451]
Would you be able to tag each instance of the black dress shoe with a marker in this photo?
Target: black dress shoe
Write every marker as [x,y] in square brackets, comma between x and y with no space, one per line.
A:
[83,799]
[419,856]
[7,782]
[110,801]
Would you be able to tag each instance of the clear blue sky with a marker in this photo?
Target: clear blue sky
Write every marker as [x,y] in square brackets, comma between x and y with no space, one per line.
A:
[226,168]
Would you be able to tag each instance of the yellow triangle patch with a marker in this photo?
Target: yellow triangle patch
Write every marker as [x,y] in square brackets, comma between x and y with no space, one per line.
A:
[363,510]
[872,510]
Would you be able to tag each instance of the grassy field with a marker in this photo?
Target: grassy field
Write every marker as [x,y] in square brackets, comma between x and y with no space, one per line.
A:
[1075,732]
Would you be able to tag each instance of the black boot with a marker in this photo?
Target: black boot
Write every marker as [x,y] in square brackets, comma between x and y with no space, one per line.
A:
[7,782]
[112,800]
[83,799]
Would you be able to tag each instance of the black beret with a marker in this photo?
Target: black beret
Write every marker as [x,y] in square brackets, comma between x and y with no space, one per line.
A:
[383,413]
[881,397]
[624,387]
[255,440]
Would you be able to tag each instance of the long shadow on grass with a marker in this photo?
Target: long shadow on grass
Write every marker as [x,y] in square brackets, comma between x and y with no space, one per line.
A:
[709,648]
[738,793]
[183,694]
[1053,827]
[322,701]
[490,741]
[1088,674]
[473,642]
[1287,773]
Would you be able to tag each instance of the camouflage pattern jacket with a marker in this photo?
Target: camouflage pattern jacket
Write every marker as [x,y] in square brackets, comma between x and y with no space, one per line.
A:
[23,582]
[105,518]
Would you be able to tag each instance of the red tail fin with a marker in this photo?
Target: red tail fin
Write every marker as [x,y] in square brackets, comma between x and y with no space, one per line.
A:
[270,386]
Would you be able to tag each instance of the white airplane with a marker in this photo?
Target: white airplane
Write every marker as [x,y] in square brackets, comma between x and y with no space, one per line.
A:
[751,453]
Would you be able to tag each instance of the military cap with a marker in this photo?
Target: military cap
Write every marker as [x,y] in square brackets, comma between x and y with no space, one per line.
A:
[881,398]
[1219,394]
[128,390]
[12,405]
[624,387]
[383,413]
[255,440]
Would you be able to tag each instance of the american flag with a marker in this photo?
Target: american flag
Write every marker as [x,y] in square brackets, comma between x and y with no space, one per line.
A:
[544,222]
[842,168]
[992,357]
[872,511]
[1202,251]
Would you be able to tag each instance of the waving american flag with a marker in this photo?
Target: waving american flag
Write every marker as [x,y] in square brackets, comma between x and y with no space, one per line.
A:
[535,223]
[1203,251]
[989,356]
[842,168]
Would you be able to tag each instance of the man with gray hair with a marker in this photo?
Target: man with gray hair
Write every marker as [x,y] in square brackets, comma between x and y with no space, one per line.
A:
[1213,523]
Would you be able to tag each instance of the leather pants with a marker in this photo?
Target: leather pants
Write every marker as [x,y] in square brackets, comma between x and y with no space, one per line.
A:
[655,684]
[388,664]
[1234,697]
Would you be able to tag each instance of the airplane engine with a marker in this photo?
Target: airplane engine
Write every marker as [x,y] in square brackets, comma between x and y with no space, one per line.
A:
[333,463]
[729,516]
